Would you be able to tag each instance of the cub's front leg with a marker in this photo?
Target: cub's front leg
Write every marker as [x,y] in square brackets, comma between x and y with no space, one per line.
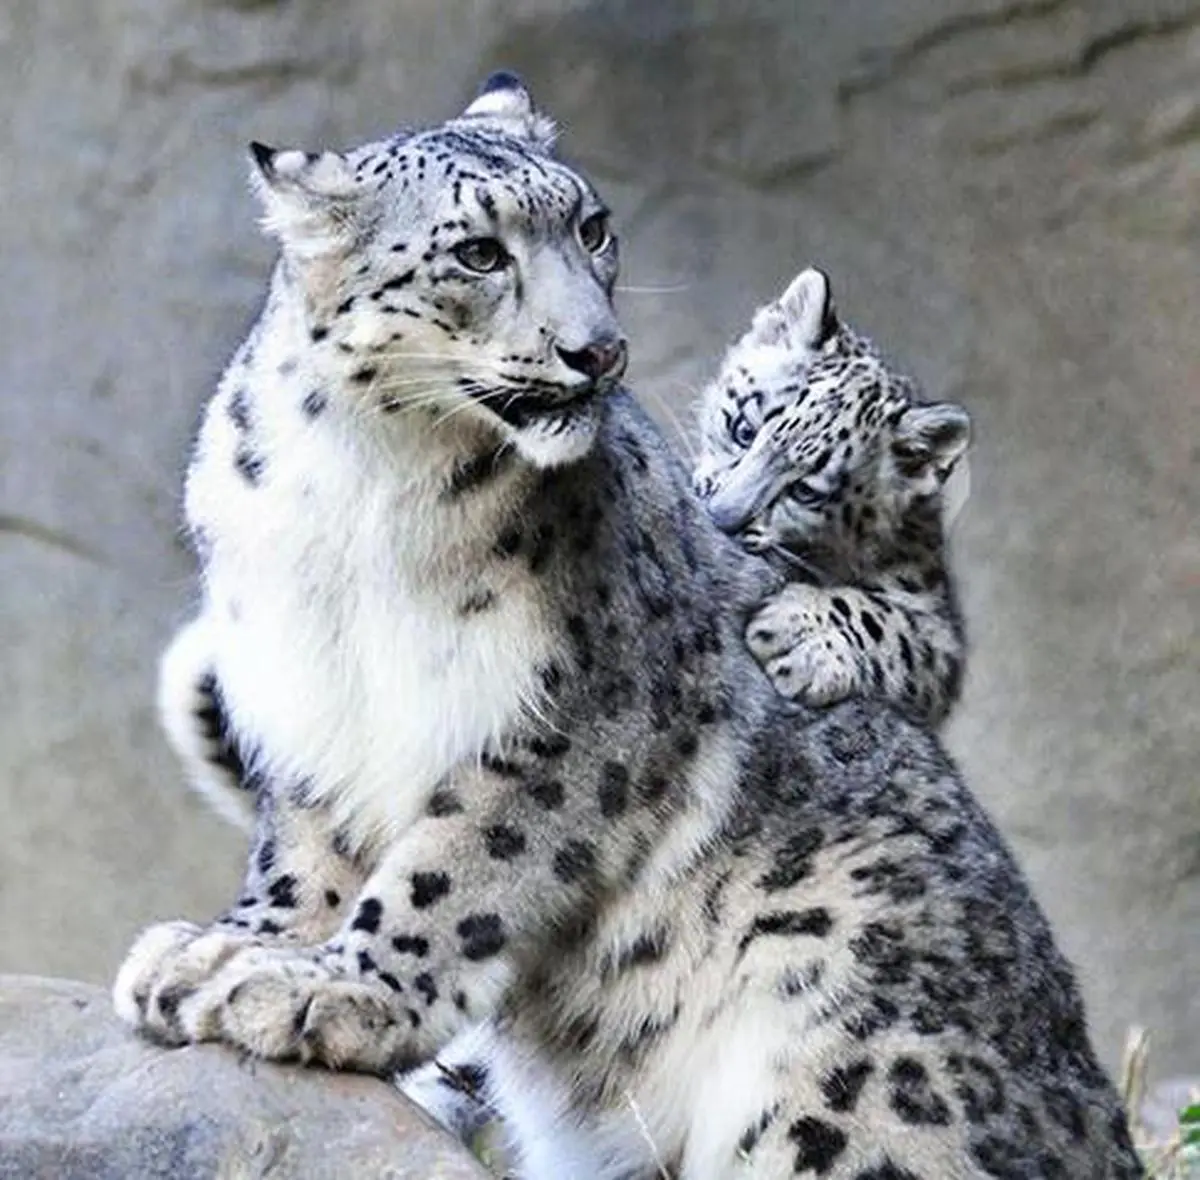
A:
[427,948]
[823,644]
[806,641]
[297,887]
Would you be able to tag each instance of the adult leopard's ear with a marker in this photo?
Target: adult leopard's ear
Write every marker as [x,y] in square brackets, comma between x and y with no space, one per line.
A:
[808,311]
[505,105]
[309,200]
[930,439]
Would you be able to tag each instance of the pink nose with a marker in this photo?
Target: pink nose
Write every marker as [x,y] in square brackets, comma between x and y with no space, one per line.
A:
[602,357]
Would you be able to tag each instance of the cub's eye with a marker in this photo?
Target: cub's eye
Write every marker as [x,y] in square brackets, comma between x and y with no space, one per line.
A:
[806,495]
[481,254]
[594,233]
[744,432]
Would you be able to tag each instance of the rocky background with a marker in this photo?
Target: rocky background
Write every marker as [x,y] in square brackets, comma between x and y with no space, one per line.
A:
[1005,194]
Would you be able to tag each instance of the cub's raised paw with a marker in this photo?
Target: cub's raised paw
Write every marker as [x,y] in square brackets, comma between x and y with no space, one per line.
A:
[809,672]
[806,656]
[782,622]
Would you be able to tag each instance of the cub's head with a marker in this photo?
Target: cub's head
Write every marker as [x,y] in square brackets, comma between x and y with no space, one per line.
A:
[811,441]
[461,269]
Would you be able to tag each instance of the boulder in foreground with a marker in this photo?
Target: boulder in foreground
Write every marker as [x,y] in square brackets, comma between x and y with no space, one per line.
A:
[82,1098]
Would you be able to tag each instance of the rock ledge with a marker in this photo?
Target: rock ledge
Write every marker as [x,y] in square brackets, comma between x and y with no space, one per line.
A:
[81,1098]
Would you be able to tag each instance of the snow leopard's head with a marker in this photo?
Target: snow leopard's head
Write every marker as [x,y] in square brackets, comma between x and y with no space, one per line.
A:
[460,269]
[811,441]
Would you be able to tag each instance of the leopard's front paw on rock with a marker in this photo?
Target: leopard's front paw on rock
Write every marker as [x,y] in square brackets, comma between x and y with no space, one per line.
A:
[163,967]
[292,1008]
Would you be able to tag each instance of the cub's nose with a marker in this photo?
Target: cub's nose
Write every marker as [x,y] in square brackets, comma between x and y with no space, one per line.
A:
[602,357]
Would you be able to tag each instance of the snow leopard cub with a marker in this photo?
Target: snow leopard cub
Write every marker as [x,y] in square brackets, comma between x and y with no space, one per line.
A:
[516,766]
[816,453]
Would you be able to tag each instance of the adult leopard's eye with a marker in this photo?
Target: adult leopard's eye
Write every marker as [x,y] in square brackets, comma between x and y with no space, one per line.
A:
[481,254]
[594,233]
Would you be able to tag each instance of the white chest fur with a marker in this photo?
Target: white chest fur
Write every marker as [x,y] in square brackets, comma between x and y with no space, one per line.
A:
[335,595]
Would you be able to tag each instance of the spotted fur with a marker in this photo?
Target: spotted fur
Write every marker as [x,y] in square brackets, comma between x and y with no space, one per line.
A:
[516,766]
[818,454]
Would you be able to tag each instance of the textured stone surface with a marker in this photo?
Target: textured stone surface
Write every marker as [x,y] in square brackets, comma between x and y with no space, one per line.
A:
[81,1098]
[1004,192]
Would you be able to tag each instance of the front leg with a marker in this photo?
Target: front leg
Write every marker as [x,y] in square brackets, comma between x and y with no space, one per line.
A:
[297,888]
[822,645]
[806,641]
[432,941]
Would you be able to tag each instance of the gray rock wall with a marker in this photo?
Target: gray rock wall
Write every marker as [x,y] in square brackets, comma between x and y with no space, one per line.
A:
[1004,192]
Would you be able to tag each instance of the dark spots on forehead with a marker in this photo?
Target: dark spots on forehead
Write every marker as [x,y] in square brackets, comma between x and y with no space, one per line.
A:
[364,374]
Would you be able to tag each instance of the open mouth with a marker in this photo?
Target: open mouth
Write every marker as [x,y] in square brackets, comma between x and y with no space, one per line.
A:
[546,406]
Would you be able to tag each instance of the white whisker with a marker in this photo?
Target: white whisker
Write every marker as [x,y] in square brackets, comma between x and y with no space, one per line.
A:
[673,289]
[685,439]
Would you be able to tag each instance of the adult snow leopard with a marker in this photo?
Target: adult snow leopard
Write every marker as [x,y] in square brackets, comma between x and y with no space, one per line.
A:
[483,647]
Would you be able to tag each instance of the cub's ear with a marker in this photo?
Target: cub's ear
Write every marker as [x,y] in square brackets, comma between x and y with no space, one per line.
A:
[309,199]
[802,318]
[504,104]
[808,311]
[930,439]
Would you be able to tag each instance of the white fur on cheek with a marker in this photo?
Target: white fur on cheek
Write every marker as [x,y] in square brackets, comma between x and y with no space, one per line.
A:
[546,447]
